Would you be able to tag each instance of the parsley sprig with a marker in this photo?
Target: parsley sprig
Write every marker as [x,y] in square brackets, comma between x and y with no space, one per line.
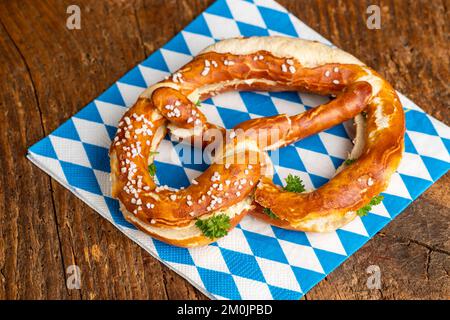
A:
[293,184]
[349,161]
[215,227]
[198,104]
[270,213]
[365,210]
[152,169]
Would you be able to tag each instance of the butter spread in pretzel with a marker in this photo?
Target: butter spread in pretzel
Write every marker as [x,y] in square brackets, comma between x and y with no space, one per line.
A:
[258,63]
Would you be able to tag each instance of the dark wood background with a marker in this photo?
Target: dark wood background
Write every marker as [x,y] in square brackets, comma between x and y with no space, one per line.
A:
[47,73]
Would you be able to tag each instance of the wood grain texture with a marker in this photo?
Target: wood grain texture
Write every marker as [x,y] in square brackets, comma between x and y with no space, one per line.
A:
[49,72]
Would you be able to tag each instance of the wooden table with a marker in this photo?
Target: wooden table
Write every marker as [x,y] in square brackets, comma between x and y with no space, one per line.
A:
[47,73]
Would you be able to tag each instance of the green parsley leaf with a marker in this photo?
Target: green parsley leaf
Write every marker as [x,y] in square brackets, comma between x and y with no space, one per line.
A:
[294,184]
[349,161]
[270,213]
[152,169]
[198,104]
[214,227]
[365,210]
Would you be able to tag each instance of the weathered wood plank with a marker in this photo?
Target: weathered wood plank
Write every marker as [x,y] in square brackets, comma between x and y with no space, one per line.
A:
[29,239]
[51,72]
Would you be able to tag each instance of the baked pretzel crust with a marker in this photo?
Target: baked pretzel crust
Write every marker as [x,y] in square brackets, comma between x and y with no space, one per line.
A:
[264,64]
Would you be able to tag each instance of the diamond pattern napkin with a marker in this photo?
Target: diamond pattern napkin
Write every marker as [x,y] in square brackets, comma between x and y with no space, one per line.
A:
[256,260]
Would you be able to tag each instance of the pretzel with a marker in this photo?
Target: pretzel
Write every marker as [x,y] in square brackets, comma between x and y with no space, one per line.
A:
[227,188]
[168,214]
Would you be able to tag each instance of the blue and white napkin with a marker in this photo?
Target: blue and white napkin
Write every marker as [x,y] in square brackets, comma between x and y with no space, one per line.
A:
[256,260]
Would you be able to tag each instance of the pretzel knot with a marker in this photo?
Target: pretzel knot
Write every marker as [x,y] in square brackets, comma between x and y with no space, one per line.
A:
[218,199]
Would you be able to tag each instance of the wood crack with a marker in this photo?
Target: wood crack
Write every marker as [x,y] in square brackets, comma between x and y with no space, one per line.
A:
[419,243]
[74,257]
[166,290]
[139,30]
[427,265]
